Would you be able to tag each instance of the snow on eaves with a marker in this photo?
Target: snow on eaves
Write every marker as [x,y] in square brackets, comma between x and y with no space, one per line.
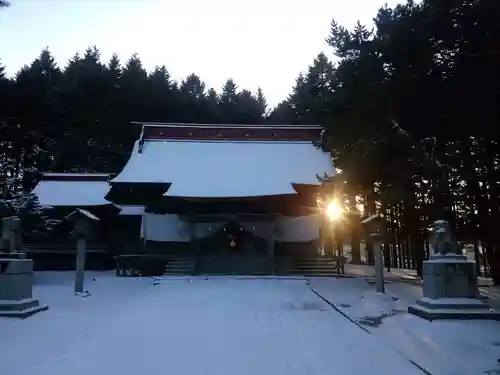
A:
[216,169]
[72,193]
[70,174]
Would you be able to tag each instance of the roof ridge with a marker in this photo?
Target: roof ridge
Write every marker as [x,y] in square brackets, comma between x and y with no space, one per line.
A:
[224,126]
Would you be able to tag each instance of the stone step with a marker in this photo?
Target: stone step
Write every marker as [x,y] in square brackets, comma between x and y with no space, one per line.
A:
[20,308]
[314,261]
[179,270]
[179,266]
[222,273]
[309,272]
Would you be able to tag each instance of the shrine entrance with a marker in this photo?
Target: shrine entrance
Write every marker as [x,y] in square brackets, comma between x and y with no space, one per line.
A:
[233,248]
[235,235]
[230,238]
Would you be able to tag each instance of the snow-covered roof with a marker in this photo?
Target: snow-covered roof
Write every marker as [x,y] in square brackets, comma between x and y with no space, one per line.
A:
[72,193]
[217,169]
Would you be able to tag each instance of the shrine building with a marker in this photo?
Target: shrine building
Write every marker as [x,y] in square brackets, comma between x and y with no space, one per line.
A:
[222,198]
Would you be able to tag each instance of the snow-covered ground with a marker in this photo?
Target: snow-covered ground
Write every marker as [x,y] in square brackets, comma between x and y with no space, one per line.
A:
[450,347]
[189,326]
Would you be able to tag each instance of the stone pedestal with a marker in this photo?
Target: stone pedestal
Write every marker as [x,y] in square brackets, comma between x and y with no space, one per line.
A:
[450,290]
[16,281]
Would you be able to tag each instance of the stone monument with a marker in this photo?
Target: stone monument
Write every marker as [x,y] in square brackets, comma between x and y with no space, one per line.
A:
[16,275]
[375,226]
[449,281]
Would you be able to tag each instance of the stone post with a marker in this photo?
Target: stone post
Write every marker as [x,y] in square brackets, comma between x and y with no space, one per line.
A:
[6,225]
[15,235]
[449,282]
[81,220]
[379,264]
[81,229]
[375,226]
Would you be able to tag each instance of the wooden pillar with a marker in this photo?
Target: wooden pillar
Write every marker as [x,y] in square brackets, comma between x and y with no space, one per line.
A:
[270,243]
[192,234]
[322,243]
[330,239]
[193,238]
[144,232]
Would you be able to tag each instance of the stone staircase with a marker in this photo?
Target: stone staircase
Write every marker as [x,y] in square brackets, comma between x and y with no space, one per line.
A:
[311,266]
[237,264]
[180,266]
[253,265]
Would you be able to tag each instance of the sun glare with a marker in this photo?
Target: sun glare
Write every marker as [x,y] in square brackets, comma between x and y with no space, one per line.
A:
[333,211]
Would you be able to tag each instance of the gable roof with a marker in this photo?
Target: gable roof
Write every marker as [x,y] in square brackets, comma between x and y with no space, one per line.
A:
[219,169]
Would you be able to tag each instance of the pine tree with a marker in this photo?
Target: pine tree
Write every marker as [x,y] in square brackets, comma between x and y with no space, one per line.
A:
[134,87]
[193,88]
[247,106]
[4,95]
[228,101]
[261,103]
[16,200]
[213,111]
[114,71]
[192,98]
[229,93]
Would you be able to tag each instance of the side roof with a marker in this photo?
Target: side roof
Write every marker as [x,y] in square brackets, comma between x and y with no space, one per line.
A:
[73,189]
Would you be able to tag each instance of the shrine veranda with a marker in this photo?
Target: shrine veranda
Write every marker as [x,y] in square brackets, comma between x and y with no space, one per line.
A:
[233,197]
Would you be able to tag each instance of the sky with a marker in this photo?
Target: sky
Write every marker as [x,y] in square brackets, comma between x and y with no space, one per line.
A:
[264,43]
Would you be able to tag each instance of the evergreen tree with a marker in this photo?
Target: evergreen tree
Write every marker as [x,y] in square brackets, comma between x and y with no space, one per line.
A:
[192,96]
[16,200]
[134,88]
[4,95]
[248,108]
[228,102]
[162,95]
[213,110]
[261,103]
[398,109]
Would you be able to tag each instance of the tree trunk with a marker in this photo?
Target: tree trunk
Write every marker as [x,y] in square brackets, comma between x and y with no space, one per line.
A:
[477,258]
[493,257]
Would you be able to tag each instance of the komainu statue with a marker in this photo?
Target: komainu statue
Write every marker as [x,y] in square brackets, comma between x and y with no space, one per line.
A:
[442,240]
